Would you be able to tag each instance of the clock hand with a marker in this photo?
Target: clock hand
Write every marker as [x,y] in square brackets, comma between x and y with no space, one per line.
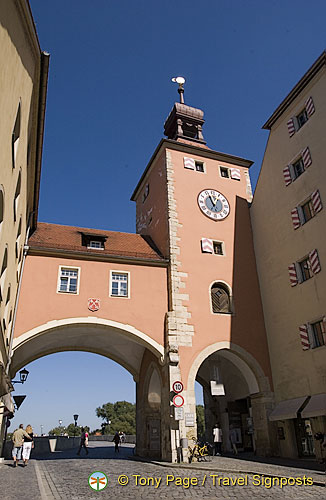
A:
[214,203]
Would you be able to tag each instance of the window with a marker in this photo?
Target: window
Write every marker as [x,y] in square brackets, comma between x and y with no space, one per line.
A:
[15,138]
[199,166]
[224,172]
[307,211]
[218,247]
[17,196]
[317,334]
[298,168]
[220,299]
[119,284]
[96,244]
[305,268]
[3,273]
[2,207]
[302,118]
[68,280]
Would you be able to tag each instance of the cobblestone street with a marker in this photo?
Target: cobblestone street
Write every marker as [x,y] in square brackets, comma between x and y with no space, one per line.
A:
[63,475]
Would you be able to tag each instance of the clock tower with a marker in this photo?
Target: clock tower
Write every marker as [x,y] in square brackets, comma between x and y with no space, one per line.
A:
[193,203]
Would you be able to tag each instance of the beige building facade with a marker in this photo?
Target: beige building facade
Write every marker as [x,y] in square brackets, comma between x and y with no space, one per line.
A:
[23,83]
[288,219]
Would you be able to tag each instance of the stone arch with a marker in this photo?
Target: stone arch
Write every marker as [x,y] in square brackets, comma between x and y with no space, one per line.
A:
[92,334]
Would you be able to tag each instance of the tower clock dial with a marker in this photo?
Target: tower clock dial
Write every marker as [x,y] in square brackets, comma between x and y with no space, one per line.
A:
[213,204]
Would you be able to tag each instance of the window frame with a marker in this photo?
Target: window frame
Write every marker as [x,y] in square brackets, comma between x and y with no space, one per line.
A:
[304,113]
[301,274]
[95,247]
[313,335]
[118,271]
[221,243]
[302,213]
[229,291]
[300,161]
[201,164]
[227,170]
[74,268]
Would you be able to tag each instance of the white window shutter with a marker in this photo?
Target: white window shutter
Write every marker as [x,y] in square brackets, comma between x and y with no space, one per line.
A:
[235,174]
[310,107]
[304,337]
[293,274]
[287,175]
[207,245]
[306,157]
[189,163]
[314,261]
[316,201]
[295,218]
[291,127]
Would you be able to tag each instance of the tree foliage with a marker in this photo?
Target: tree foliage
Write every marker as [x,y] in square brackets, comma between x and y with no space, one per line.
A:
[71,430]
[121,414]
[200,415]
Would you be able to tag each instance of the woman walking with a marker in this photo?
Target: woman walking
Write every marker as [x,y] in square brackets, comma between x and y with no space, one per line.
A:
[28,445]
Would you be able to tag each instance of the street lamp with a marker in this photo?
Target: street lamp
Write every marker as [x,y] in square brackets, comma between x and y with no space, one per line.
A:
[60,424]
[75,419]
[23,374]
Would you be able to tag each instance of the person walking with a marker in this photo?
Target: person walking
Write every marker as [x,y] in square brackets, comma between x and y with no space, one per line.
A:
[18,440]
[233,440]
[116,440]
[28,445]
[83,441]
[217,433]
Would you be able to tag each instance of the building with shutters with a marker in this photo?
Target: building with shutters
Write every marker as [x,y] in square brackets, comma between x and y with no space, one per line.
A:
[23,82]
[288,218]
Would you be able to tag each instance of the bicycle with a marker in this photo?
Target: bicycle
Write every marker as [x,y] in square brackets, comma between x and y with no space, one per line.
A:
[200,452]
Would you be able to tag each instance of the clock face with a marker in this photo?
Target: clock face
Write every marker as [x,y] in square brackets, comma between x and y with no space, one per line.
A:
[213,204]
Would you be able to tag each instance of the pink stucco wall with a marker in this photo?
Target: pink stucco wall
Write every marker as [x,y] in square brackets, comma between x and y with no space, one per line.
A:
[40,302]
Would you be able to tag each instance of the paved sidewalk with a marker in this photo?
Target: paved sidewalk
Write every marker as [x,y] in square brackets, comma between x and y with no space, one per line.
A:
[249,464]
[64,476]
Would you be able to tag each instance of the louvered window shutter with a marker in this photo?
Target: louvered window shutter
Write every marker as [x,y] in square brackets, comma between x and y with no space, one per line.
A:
[291,128]
[287,175]
[207,245]
[306,157]
[295,218]
[304,337]
[310,107]
[235,174]
[293,274]
[314,261]
[189,163]
[316,201]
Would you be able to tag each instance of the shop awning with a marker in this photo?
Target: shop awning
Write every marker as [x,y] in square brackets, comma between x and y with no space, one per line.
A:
[316,407]
[287,409]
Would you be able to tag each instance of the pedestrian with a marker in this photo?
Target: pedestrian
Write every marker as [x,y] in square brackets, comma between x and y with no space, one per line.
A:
[18,439]
[217,433]
[233,440]
[28,445]
[321,437]
[116,440]
[83,441]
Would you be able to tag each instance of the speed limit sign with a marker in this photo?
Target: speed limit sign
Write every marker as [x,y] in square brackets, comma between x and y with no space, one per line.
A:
[177,387]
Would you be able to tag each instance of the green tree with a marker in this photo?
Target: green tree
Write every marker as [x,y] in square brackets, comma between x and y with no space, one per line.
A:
[200,415]
[121,414]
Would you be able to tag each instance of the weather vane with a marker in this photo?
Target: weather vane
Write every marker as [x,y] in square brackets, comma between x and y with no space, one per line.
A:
[180,81]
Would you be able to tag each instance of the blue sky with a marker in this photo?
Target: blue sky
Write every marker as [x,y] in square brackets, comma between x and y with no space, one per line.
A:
[109,94]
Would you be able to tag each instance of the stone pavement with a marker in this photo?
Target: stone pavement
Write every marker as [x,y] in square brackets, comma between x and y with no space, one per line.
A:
[63,475]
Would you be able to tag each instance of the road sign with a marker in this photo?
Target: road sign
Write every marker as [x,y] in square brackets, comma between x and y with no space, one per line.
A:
[177,386]
[178,400]
[178,413]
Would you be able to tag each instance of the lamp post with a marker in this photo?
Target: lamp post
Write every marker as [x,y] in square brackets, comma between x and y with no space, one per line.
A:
[60,424]
[41,430]
[75,419]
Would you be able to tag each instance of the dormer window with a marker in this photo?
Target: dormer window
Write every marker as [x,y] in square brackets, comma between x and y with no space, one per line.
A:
[93,241]
[98,245]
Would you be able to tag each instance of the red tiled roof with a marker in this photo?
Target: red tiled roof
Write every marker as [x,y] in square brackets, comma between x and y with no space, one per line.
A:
[55,236]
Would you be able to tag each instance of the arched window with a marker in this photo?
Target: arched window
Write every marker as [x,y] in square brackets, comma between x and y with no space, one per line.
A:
[220,296]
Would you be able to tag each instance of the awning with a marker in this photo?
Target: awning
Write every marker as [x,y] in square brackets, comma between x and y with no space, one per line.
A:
[316,406]
[287,409]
